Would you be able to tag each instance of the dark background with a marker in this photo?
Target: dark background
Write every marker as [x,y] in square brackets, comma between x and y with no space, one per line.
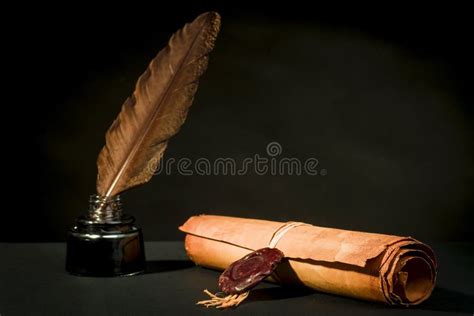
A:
[379,96]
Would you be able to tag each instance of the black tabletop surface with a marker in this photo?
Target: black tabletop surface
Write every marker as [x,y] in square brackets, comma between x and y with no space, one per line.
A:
[33,282]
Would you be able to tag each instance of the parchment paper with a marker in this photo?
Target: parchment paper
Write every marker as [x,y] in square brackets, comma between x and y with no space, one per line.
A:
[376,267]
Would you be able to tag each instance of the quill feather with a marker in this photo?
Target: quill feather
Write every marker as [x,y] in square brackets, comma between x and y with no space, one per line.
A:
[158,107]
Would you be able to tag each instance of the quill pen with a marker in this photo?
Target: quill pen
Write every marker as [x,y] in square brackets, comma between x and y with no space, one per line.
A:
[154,113]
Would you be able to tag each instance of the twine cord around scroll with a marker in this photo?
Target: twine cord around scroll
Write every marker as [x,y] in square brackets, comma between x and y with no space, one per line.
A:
[277,236]
[281,231]
[233,300]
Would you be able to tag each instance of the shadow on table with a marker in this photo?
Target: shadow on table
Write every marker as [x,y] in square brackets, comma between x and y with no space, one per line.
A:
[449,301]
[158,266]
[441,300]
[277,293]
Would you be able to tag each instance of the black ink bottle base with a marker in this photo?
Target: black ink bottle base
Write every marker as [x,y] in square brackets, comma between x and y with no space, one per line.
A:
[105,242]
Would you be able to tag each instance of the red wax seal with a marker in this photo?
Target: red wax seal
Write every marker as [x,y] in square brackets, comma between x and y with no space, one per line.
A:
[247,272]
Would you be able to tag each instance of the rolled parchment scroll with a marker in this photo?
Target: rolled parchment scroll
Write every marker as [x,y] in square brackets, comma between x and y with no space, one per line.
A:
[391,269]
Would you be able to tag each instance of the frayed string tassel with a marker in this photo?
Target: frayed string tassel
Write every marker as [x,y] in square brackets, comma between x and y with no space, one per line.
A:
[228,301]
